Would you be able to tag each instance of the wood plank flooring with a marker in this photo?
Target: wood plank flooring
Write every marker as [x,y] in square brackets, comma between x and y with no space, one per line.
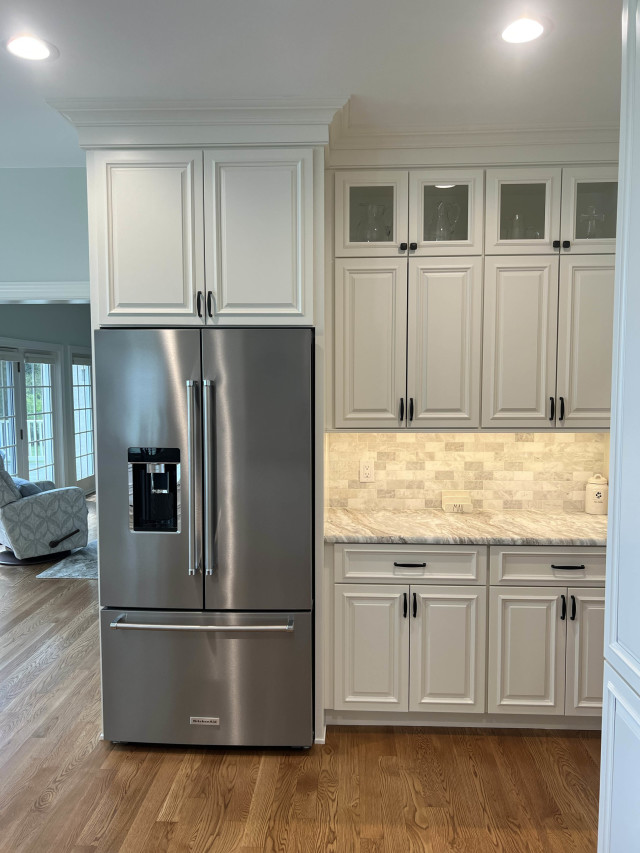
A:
[366,790]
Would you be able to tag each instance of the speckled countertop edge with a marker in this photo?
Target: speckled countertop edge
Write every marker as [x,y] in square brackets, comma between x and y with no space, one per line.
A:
[435,527]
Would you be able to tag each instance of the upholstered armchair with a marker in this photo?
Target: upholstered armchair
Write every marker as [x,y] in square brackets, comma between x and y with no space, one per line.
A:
[36,519]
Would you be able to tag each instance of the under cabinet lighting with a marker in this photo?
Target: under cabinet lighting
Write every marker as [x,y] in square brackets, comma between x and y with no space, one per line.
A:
[444,186]
[524,29]
[31,47]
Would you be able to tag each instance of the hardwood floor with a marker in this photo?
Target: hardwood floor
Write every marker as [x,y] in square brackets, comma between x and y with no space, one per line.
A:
[366,790]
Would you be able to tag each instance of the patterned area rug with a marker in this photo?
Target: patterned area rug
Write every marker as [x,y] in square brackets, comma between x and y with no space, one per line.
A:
[83,563]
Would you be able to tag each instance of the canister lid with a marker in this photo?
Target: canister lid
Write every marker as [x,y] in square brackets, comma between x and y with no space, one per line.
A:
[598,479]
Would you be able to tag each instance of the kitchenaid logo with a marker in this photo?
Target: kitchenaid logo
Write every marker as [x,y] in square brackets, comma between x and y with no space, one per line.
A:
[204,721]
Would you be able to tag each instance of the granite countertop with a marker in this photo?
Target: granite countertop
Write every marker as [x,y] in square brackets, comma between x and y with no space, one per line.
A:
[436,527]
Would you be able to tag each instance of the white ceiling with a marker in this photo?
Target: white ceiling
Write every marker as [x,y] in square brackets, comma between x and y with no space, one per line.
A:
[409,64]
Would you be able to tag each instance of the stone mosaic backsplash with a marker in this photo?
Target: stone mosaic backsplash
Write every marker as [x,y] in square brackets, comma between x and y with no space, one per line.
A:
[502,471]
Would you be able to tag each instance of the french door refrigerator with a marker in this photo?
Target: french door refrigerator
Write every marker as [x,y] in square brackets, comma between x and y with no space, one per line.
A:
[205,509]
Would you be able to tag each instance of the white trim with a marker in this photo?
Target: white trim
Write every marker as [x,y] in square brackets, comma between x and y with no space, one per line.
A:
[452,720]
[109,122]
[30,292]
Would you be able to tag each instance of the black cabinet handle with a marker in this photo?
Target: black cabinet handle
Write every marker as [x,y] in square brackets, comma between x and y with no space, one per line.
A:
[573,608]
[552,416]
[403,247]
[410,408]
[413,246]
[415,605]
[210,303]
[199,303]
[401,409]
[569,568]
[563,615]
[410,565]
[404,605]
[566,244]
[561,408]
[556,244]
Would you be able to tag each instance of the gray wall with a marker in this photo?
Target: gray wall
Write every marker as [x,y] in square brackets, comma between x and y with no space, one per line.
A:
[52,324]
[43,225]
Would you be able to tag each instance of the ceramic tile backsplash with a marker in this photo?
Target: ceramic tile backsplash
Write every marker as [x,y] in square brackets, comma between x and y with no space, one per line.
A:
[545,471]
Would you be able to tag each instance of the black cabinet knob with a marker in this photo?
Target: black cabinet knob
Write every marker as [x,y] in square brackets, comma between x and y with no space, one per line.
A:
[566,244]
[556,244]
[403,247]
[413,246]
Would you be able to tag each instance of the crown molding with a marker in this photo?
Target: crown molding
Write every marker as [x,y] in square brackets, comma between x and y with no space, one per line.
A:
[44,292]
[109,122]
[351,144]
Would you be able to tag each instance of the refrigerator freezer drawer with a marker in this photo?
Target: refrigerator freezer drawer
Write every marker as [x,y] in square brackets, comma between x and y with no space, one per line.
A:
[219,679]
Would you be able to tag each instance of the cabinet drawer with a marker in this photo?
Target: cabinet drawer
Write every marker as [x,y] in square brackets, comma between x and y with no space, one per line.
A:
[437,563]
[524,565]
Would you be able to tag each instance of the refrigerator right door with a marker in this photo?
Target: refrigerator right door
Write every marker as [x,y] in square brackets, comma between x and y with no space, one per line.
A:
[258,468]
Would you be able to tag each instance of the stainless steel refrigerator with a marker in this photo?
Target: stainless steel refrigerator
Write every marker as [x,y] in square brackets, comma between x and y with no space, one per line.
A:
[205,510]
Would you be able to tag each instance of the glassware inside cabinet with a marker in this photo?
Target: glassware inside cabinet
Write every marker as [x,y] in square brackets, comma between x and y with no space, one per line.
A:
[522,211]
[596,208]
[371,214]
[446,212]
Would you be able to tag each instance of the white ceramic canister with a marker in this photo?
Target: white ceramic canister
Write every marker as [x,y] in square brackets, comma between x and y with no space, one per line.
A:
[597,495]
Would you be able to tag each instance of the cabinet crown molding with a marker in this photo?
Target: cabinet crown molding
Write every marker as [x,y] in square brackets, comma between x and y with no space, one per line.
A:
[116,122]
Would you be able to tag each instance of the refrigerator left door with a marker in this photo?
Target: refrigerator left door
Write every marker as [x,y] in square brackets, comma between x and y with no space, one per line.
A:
[149,467]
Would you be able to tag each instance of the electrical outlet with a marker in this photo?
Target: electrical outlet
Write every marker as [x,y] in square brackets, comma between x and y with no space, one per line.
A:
[367,473]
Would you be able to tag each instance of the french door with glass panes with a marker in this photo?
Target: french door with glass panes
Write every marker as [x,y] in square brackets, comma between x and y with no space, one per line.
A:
[29,414]
[82,421]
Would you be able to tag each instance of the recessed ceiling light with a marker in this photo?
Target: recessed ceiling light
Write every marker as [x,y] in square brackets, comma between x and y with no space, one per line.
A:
[524,29]
[31,47]
[444,186]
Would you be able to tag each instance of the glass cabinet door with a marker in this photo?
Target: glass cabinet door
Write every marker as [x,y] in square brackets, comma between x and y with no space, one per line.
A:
[589,207]
[371,213]
[445,211]
[523,211]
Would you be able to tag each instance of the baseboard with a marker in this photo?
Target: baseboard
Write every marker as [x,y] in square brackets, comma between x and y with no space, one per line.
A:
[475,721]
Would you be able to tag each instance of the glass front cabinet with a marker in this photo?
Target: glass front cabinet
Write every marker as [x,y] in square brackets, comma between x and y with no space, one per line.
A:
[589,207]
[425,212]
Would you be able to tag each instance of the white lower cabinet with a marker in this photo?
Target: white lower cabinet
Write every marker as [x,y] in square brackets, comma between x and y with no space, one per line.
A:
[545,650]
[447,648]
[417,648]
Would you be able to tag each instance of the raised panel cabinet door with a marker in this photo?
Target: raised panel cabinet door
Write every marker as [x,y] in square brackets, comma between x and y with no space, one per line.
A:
[589,209]
[445,211]
[371,648]
[147,249]
[527,642]
[258,213]
[522,214]
[370,343]
[371,215]
[447,649]
[444,341]
[585,340]
[520,335]
[585,651]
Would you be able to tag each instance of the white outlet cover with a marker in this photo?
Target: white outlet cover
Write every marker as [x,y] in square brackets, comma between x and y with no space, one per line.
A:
[367,471]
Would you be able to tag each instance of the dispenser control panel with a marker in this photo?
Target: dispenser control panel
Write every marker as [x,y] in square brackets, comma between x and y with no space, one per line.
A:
[154,489]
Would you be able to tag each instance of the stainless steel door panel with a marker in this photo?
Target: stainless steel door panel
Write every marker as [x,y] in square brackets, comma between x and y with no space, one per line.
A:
[142,401]
[260,476]
[172,679]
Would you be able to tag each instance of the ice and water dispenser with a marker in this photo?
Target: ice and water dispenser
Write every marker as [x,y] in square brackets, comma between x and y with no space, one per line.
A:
[154,489]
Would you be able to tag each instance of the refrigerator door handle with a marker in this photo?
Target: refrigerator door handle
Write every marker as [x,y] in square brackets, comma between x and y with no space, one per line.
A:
[118,624]
[209,508]
[194,562]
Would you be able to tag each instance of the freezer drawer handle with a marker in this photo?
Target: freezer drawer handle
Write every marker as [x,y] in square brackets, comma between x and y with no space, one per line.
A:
[209,509]
[118,624]
[194,562]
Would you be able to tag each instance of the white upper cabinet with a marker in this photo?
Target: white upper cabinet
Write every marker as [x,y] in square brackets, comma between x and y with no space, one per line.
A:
[147,251]
[370,342]
[258,210]
[445,211]
[585,340]
[520,327]
[585,651]
[444,341]
[589,208]
[522,211]
[371,213]
[448,649]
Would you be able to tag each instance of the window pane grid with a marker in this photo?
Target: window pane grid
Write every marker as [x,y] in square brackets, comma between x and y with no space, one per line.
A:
[8,417]
[83,420]
[39,389]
